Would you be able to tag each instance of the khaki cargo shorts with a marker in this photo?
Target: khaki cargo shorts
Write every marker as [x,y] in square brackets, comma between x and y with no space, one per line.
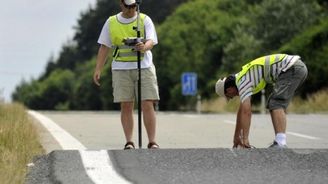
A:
[125,85]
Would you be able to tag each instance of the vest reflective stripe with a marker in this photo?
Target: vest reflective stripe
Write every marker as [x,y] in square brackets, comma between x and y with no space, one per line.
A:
[120,31]
[266,62]
[123,47]
[270,60]
[267,69]
[127,54]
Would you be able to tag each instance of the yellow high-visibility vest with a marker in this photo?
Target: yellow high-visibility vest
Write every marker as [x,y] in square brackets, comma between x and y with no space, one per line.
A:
[120,31]
[266,62]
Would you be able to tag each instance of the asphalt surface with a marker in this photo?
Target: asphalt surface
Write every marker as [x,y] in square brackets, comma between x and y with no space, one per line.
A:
[194,149]
[192,166]
[103,130]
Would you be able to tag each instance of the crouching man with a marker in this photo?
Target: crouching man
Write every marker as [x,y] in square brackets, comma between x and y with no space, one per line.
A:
[285,72]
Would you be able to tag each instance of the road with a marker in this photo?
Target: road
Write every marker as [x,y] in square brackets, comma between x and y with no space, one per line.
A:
[188,141]
[102,130]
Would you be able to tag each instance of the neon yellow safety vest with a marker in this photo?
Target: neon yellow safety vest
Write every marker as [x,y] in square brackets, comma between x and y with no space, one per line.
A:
[266,62]
[120,31]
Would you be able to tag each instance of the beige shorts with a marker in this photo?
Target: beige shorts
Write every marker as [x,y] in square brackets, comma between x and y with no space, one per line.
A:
[125,85]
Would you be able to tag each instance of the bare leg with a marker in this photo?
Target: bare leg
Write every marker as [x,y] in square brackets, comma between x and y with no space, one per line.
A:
[127,119]
[149,119]
[278,117]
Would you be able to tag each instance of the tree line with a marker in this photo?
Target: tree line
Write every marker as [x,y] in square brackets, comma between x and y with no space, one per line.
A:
[212,38]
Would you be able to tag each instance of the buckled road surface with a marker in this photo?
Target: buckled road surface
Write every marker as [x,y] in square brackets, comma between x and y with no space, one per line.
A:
[86,147]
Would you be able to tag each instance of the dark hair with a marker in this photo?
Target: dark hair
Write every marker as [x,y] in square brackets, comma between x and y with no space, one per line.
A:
[229,82]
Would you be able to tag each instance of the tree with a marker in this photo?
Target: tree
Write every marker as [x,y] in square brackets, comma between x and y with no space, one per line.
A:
[212,38]
[195,42]
[278,23]
[312,46]
[47,94]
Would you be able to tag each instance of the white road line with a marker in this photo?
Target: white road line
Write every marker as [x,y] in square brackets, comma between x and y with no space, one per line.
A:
[229,122]
[290,133]
[190,115]
[100,168]
[97,164]
[65,140]
[303,136]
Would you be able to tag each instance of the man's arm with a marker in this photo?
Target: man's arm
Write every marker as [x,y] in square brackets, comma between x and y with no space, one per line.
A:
[101,59]
[243,124]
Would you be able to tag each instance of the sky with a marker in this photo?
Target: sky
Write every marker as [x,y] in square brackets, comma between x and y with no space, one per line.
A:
[31,31]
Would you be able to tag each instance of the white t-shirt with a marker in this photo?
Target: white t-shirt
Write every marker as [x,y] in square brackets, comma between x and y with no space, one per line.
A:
[104,39]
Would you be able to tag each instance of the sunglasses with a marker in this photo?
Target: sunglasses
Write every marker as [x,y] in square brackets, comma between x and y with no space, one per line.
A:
[130,6]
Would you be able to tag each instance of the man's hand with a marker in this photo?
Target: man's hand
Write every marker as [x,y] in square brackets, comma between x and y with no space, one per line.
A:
[237,142]
[140,47]
[144,46]
[96,77]
[240,142]
[101,59]
[242,125]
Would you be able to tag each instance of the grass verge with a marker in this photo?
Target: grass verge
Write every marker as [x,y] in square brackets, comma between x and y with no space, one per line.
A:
[18,143]
[316,103]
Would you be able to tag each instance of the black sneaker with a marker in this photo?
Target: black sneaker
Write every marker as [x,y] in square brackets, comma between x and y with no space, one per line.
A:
[276,145]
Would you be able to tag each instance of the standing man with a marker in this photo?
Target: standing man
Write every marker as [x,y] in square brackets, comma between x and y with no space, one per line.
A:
[285,72]
[118,35]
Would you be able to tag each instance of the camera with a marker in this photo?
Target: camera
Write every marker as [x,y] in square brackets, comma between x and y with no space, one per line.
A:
[132,41]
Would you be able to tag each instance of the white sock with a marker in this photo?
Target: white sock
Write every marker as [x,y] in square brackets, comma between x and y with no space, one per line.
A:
[281,139]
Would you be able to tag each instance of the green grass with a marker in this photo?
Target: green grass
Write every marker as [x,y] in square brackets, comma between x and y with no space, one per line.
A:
[316,103]
[18,143]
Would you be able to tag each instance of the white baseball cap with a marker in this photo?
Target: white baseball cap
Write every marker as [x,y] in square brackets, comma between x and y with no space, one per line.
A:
[219,87]
[129,2]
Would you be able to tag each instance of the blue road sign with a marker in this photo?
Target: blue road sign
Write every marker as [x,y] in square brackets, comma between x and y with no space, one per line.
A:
[189,83]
